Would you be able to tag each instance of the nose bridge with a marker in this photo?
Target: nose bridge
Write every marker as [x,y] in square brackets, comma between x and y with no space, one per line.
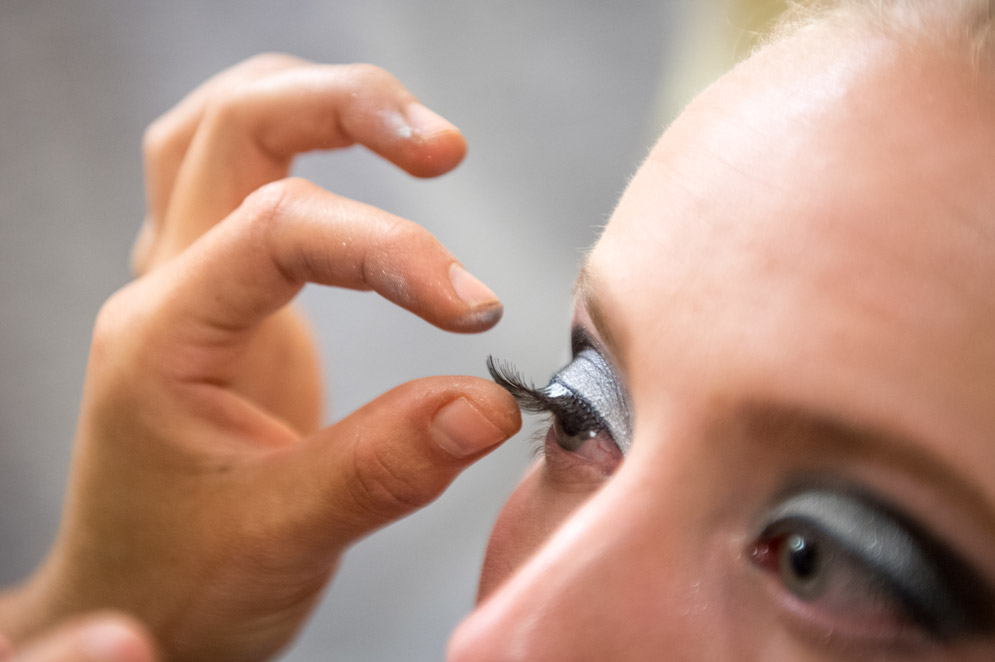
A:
[585,595]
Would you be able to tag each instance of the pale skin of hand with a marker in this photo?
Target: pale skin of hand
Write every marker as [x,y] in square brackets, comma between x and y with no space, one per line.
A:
[204,500]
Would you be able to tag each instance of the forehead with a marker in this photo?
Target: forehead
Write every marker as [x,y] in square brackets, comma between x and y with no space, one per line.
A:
[818,227]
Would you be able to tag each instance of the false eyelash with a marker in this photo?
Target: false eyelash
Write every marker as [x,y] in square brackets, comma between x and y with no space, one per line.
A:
[573,413]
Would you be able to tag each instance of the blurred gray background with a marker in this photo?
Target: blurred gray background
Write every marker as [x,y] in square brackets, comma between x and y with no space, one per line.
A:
[559,101]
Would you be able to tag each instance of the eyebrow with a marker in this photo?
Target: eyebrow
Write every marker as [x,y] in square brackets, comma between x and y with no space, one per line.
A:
[799,426]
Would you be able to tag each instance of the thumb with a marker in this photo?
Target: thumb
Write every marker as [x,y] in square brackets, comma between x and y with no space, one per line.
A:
[394,455]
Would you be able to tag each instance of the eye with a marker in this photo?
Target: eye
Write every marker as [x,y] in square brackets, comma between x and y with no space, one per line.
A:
[584,437]
[824,585]
[592,427]
[856,569]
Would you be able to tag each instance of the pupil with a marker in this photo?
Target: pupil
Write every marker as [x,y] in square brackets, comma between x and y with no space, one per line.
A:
[804,557]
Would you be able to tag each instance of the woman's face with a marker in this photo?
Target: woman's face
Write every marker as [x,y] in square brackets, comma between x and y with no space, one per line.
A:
[796,292]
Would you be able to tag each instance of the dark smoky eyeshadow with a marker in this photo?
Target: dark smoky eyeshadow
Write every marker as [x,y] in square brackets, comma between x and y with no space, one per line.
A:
[938,589]
[581,339]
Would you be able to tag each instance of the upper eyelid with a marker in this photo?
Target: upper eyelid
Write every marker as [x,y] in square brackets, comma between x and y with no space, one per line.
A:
[784,431]
[594,380]
[972,591]
[581,339]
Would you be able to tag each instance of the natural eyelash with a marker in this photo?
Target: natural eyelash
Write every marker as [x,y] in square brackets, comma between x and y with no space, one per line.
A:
[573,413]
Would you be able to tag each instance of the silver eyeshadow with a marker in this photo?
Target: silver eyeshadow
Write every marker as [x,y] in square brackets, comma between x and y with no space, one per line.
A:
[940,590]
[591,379]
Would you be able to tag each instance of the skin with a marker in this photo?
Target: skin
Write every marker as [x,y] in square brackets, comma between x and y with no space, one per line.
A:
[791,284]
[205,500]
[97,637]
[797,280]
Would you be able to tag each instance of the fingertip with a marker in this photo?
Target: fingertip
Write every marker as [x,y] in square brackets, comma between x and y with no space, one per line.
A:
[476,320]
[435,145]
[484,309]
[496,403]
[463,430]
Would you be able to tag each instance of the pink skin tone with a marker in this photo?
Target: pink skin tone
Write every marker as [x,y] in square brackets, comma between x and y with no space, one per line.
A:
[812,235]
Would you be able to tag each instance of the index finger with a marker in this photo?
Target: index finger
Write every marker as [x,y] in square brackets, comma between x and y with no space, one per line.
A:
[287,234]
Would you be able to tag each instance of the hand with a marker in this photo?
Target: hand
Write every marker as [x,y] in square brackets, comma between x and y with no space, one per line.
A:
[199,500]
[239,131]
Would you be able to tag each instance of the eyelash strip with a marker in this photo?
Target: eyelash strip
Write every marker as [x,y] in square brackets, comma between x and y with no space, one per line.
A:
[573,413]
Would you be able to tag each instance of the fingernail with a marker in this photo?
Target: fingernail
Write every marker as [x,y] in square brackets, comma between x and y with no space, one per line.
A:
[461,430]
[108,642]
[474,293]
[426,123]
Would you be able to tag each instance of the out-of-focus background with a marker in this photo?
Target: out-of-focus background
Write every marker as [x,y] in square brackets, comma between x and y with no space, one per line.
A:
[559,101]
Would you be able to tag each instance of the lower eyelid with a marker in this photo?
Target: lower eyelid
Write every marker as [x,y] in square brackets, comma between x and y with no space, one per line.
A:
[571,471]
[598,457]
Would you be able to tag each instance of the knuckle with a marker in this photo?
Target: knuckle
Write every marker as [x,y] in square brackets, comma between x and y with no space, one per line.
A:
[393,248]
[222,110]
[156,140]
[364,77]
[266,224]
[263,63]
[366,71]
[267,205]
[109,317]
[404,236]
[110,327]
[229,104]
[382,490]
[399,238]
[237,88]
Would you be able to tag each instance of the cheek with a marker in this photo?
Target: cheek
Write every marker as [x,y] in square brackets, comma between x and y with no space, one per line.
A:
[535,510]
[624,580]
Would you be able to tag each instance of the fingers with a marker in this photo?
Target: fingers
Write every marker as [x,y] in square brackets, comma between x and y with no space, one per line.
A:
[248,133]
[96,639]
[395,455]
[289,233]
[167,139]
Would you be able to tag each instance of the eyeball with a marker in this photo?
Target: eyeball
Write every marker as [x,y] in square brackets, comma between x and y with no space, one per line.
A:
[572,441]
[594,446]
[800,562]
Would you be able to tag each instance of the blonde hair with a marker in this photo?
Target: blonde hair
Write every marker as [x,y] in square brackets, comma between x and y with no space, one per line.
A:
[966,27]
